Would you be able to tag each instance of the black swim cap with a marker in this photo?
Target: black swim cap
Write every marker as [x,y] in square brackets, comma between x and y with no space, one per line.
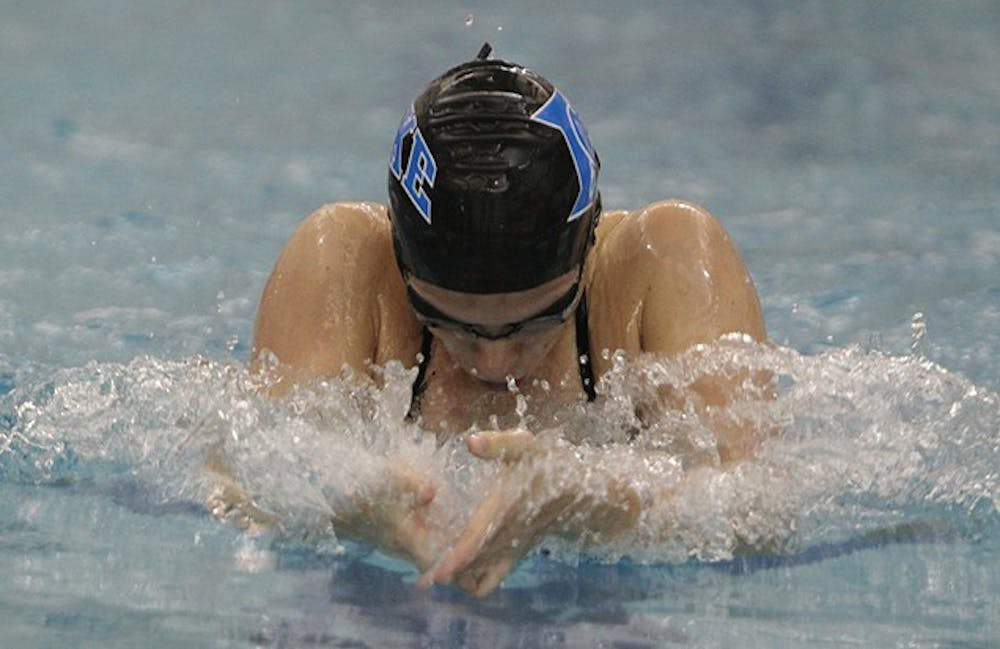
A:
[492,181]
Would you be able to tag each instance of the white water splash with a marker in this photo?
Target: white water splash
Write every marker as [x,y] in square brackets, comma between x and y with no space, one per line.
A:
[863,441]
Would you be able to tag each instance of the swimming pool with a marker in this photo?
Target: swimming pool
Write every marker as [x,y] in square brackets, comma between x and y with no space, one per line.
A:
[155,157]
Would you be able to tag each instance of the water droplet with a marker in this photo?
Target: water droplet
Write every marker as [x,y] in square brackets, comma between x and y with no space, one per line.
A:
[918,329]
[521,408]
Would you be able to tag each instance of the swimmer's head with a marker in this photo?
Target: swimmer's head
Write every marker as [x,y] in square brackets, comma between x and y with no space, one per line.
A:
[492,181]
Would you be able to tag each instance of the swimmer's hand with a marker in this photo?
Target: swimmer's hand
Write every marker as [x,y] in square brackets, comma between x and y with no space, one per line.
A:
[540,490]
[228,501]
[394,516]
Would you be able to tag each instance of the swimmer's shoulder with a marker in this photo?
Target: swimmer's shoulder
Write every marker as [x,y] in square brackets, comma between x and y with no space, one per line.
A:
[633,245]
[361,275]
[653,261]
[335,296]
[340,246]
[663,227]
[338,230]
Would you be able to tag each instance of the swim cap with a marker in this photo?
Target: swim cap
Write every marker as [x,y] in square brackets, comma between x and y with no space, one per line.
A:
[492,181]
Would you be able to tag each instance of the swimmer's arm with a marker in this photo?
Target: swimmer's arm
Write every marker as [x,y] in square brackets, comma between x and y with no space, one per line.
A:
[698,291]
[318,311]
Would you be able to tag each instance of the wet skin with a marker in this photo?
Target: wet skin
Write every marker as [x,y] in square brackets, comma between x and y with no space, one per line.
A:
[660,280]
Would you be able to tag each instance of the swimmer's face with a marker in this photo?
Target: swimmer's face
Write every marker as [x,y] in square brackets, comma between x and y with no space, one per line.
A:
[497,335]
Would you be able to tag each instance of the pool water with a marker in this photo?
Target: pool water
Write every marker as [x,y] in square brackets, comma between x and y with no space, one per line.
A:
[155,157]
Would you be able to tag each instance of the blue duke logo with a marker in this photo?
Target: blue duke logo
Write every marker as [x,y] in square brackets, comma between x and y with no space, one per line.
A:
[420,170]
[558,114]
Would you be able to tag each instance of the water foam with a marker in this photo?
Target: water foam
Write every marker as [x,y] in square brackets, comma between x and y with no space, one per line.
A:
[864,441]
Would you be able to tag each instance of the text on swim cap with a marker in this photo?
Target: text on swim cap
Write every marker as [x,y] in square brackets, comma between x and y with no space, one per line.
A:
[420,170]
[557,113]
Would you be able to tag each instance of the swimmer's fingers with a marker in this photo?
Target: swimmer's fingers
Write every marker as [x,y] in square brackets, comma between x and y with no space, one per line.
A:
[405,480]
[481,583]
[506,445]
[505,525]
[406,511]
[481,527]
[404,532]
[228,501]
[496,538]
[393,512]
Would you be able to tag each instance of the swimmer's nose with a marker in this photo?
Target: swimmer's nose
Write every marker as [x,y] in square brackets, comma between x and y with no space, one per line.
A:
[494,360]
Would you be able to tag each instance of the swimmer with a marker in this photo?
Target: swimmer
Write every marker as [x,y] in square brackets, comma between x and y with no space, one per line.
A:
[495,272]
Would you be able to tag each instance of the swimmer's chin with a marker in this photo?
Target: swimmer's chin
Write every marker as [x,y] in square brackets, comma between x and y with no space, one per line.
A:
[495,384]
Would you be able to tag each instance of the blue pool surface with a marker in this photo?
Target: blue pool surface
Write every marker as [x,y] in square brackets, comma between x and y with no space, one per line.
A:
[155,156]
